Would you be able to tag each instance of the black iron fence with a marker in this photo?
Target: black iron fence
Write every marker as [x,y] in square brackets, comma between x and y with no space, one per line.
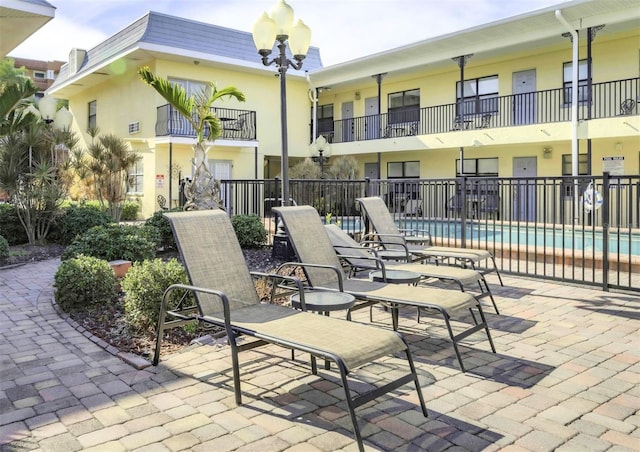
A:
[604,100]
[578,229]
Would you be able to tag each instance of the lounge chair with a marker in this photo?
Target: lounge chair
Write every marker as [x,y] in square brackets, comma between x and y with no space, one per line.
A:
[360,258]
[322,269]
[421,246]
[225,295]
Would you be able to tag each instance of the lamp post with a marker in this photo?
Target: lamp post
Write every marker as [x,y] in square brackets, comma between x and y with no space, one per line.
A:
[321,150]
[60,119]
[278,26]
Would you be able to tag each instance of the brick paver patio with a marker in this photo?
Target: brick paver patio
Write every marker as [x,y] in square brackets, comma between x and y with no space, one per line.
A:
[566,377]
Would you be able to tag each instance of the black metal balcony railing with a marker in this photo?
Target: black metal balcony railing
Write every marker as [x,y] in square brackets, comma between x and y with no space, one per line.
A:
[608,99]
[236,124]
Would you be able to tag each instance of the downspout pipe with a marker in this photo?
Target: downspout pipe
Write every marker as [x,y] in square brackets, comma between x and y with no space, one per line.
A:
[574,92]
[313,97]
[574,108]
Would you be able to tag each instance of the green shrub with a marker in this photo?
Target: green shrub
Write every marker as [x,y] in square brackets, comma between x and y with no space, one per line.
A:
[77,219]
[130,211]
[10,226]
[144,286]
[115,241]
[250,230]
[84,281]
[4,248]
[162,226]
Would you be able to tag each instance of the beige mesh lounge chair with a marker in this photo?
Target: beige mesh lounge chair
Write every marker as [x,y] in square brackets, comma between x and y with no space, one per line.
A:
[377,214]
[360,258]
[323,270]
[226,297]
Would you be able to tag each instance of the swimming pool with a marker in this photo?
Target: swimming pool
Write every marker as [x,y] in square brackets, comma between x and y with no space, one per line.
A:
[568,238]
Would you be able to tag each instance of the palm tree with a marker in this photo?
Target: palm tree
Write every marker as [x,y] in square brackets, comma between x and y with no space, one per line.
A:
[204,191]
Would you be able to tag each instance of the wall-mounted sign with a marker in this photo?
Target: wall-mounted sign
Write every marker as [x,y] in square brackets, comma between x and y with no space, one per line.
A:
[613,165]
[159,180]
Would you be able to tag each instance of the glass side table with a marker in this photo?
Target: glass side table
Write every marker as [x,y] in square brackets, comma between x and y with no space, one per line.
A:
[325,301]
[396,277]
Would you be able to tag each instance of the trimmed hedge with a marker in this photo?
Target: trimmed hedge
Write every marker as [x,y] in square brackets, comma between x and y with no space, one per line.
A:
[4,248]
[249,230]
[84,281]
[10,226]
[144,286]
[77,219]
[115,241]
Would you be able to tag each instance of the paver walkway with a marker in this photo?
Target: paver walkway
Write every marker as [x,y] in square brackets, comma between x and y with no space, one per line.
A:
[566,377]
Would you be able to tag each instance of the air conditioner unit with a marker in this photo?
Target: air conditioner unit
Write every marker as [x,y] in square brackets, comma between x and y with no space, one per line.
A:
[134,127]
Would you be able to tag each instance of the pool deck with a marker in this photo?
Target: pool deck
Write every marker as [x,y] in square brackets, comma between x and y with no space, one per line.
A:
[566,377]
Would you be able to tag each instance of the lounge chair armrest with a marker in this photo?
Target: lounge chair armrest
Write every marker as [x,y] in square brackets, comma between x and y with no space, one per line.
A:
[304,264]
[368,249]
[379,262]
[221,295]
[278,279]
[418,232]
[374,236]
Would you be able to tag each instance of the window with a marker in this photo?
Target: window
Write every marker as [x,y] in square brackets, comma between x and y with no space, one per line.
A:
[39,75]
[583,82]
[190,86]
[480,96]
[135,178]
[404,106]
[583,169]
[400,192]
[92,120]
[402,170]
[478,167]
[583,164]
[325,121]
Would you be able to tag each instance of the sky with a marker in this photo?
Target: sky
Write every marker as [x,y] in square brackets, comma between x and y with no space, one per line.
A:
[343,29]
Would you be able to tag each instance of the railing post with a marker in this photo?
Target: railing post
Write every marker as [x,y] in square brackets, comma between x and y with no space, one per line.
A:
[605,231]
[367,186]
[463,212]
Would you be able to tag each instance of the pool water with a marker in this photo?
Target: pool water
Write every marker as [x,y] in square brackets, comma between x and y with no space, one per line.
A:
[625,243]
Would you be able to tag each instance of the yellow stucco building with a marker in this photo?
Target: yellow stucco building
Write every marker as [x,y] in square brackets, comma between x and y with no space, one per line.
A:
[401,113]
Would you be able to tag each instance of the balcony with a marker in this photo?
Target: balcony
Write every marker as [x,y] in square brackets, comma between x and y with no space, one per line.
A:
[237,125]
[608,99]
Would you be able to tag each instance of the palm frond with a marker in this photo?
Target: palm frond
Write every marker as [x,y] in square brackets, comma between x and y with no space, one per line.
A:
[172,93]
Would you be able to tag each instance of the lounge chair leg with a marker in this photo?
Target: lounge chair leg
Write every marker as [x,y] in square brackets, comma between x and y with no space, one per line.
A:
[423,406]
[394,316]
[160,329]
[351,407]
[453,341]
[236,369]
[486,328]
[495,267]
[493,301]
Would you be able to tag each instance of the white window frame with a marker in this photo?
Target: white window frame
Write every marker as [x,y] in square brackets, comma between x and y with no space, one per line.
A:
[136,178]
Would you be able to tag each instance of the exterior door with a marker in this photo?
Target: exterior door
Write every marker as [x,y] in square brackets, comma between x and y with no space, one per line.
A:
[221,170]
[524,97]
[347,122]
[524,191]
[372,118]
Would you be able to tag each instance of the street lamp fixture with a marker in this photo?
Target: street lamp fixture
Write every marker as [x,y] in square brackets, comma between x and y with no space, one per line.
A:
[278,26]
[321,151]
[58,119]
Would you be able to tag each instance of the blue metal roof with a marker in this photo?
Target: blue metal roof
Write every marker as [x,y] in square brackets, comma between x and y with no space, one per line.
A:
[176,34]
[39,2]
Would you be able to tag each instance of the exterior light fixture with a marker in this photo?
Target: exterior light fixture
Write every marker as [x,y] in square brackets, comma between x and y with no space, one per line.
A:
[47,107]
[277,27]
